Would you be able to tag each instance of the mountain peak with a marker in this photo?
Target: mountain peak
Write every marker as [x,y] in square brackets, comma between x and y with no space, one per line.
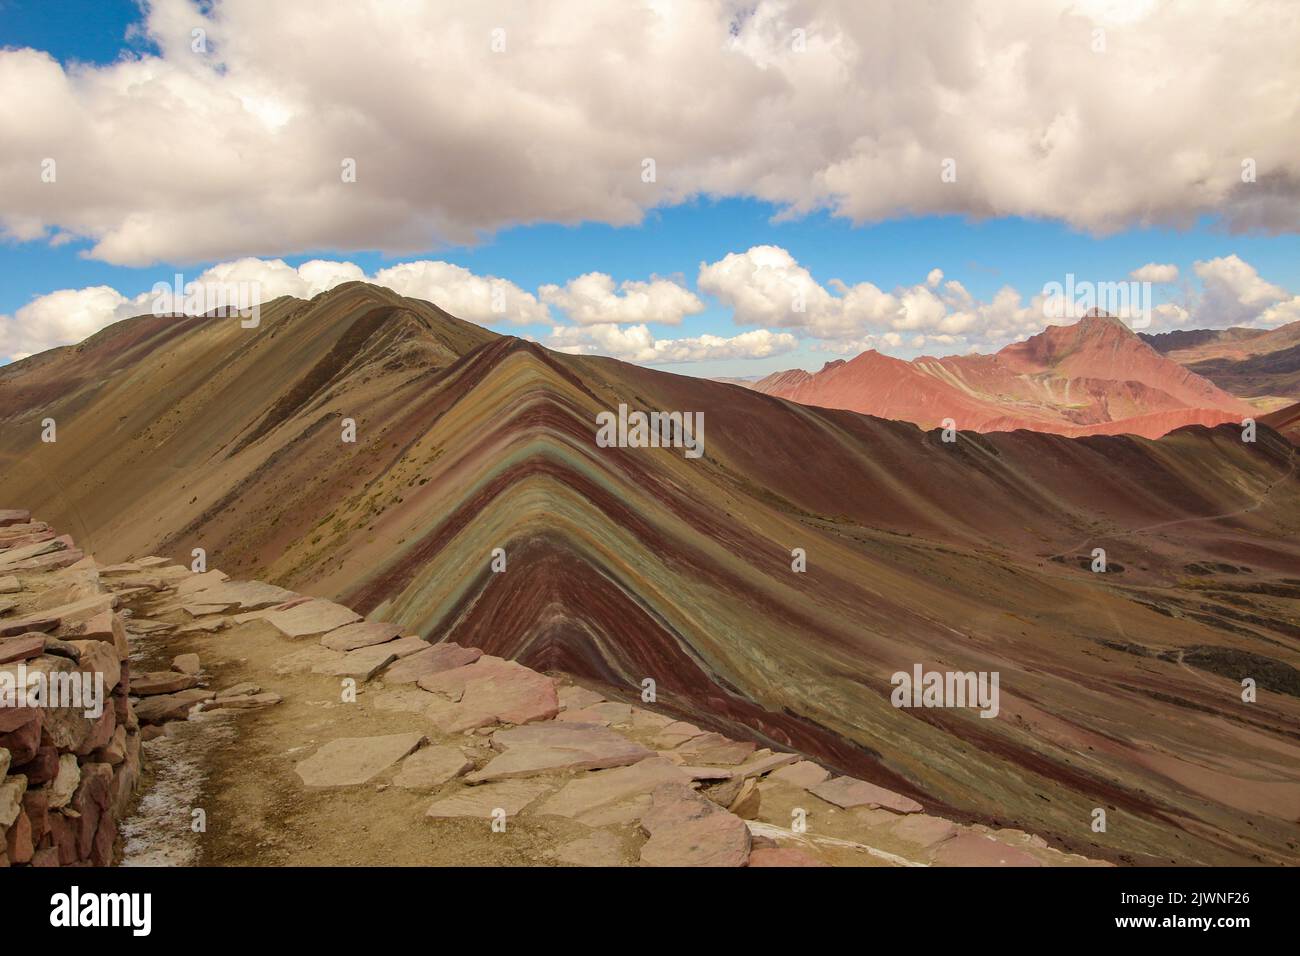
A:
[1097,329]
[1096,318]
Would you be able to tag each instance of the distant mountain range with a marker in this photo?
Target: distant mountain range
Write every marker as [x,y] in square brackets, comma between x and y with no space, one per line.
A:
[1247,362]
[1095,377]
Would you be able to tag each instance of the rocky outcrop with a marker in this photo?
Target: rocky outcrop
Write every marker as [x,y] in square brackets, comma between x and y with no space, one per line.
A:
[69,734]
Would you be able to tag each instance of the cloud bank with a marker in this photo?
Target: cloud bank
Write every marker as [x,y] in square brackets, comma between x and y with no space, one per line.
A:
[258,130]
[764,289]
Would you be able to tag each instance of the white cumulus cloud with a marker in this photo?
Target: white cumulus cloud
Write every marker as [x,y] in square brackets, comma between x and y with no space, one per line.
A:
[592,299]
[637,344]
[766,286]
[481,299]
[1155,272]
[240,150]
[1234,293]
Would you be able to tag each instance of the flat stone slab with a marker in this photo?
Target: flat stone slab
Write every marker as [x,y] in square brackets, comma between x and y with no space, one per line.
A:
[804,774]
[490,691]
[431,659]
[589,798]
[675,734]
[451,683]
[923,829]
[405,699]
[50,562]
[351,761]
[975,849]
[137,583]
[687,829]
[9,584]
[713,748]
[512,796]
[759,763]
[362,664]
[10,516]
[43,622]
[350,637]
[648,720]
[31,537]
[431,767]
[365,662]
[605,713]
[161,682]
[165,707]
[23,527]
[762,762]
[312,618]
[847,793]
[601,848]
[21,648]
[405,647]
[574,697]
[24,553]
[247,595]
[194,583]
[783,856]
[26,537]
[711,774]
[82,608]
[539,748]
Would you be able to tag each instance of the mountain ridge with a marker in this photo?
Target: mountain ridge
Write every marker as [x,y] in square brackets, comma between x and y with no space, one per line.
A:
[627,563]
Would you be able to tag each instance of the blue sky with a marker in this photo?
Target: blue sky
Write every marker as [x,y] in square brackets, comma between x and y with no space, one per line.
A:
[673,240]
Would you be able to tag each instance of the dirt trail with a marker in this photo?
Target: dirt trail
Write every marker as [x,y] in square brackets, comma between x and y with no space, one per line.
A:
[1258,503]
[253,824]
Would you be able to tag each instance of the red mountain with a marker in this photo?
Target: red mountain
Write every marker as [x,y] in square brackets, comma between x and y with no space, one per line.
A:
[1093,377]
